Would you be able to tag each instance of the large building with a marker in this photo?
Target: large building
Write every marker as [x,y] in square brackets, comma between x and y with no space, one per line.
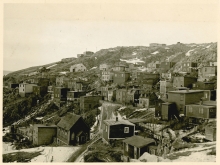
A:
[184,97]
[182,81]
[207,72]
[107,75]
[40,90]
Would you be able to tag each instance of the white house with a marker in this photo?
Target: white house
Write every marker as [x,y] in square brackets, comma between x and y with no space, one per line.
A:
[25,88]
[77,68]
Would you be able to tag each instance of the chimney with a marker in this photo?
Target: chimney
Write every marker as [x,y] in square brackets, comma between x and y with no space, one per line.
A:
[116,118]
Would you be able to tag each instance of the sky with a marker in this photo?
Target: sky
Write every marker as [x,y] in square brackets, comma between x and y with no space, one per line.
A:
[42,33]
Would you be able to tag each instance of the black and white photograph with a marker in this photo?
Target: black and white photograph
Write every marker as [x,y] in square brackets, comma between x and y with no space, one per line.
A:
[109,81]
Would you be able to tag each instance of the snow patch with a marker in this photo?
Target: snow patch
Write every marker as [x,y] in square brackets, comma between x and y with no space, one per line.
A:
[167,48]
[134,53]
[155,52]
[51,66]
[208,46]
[93,68]
[133,61]
[188,53]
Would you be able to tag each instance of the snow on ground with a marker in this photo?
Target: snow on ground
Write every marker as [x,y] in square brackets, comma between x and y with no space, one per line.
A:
[197,157]
[121,108]
[142,69]
[48,154]
[63,72]
[133,61]
[95,124]
[51,66]
[155,52]
[167,48]
[188,53]
[143,109]
[95,58]
[208,46]
[93,68]
[134,53]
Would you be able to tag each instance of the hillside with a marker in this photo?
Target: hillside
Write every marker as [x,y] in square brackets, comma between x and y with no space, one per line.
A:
[200,53]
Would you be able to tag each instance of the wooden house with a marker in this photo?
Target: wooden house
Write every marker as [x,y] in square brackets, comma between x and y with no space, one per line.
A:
[135,146]
[40,90]
[184,97]
[117,129]
[168,111]
[72,130]
[210,131]
[181,81]
[89,102]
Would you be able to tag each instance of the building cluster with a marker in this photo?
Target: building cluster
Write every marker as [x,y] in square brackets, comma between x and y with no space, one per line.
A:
[171,95]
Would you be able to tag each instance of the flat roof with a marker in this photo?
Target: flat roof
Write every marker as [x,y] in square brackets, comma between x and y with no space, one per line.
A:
[206,106]
[186,91]
[42,125]
[139,141]
[114,122]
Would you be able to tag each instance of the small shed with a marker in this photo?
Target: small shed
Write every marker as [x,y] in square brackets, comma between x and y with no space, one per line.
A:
[168,111]
[210,131]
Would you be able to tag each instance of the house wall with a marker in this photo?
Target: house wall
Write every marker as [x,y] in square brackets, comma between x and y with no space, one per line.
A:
[44,135]
[120,78]
[89,102]
[63,135]
[203,86]
[121,96]
[210,133]
[197,111]
[78,127]
[182,99]
[117,131]
[40,90]
[105,131]
[184,81]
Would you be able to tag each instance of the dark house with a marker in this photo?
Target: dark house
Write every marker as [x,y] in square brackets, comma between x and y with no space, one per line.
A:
[136,146]
[74,96]
[168,111]
[12,85]
[209,95]
[40,90]
[182,81]
[184,97]
[121,77]
[189,67]
[72,130]
[60,93]
[133,96]
[89,102]
[117,129]
[165,66]
[203,85]
[158,107]
[121,95]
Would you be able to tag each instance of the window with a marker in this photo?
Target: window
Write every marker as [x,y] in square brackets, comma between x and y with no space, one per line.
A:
[190,109]
[201,110]
[122,75]
[181,97]
[126,130]
[206,95]
[115,75]
[205,69]
[188,64]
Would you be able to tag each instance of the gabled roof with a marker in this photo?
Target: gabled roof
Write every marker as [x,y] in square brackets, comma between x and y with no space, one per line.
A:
[114,122]
[68,121]
[138,141]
